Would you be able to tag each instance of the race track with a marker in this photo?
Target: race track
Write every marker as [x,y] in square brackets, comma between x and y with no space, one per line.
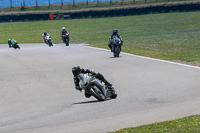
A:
[37,93]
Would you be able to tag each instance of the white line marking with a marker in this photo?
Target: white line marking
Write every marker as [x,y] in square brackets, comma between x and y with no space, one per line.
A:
[143,57]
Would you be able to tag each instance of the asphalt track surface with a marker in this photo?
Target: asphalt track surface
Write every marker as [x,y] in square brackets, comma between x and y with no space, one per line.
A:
[37,93]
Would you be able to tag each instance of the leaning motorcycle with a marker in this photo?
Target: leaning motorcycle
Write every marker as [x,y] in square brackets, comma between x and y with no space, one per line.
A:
[116,46]
[96,87]
[66,38]
[48,40]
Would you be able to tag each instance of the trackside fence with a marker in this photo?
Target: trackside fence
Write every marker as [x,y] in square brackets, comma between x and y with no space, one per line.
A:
[26,5]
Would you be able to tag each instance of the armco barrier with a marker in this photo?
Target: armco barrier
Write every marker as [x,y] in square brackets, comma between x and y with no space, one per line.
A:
[103,13]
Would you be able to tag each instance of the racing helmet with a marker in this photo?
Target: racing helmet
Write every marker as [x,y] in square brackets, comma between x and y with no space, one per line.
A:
[115,31]
[63,28]
[9,40]
[45,33]
[76,70]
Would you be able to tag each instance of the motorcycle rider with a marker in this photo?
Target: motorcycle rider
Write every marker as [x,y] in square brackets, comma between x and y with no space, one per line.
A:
[44,35]
[63,32]
[9,43]
[76,70]
[114,34]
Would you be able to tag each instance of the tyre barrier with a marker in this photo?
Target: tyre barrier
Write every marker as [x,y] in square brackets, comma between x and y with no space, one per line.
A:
[23,17]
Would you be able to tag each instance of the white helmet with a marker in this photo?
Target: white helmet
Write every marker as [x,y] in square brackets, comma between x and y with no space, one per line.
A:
[63,28]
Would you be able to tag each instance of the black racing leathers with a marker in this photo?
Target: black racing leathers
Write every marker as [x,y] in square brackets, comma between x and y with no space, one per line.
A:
[63,32]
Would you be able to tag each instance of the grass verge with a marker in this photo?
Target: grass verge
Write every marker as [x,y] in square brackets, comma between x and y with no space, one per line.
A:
[169,36]
[189,124]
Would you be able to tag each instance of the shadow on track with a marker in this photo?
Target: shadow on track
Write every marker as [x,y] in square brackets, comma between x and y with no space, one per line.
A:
[115,57]
[93,101]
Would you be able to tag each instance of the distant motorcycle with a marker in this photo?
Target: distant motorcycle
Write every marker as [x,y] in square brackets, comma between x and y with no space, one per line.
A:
[66,38]
[48,40]
[116,46]
[13,44]
[95,87]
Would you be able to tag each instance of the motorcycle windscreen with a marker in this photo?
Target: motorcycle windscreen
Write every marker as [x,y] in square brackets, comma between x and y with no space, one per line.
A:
[81,76]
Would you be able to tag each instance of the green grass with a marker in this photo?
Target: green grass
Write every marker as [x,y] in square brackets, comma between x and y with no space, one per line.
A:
[170,36]
[189,124]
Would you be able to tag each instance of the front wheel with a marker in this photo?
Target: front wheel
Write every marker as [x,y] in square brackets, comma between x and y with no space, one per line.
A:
[97,93]
[113,93]
[67,42]
[117,51]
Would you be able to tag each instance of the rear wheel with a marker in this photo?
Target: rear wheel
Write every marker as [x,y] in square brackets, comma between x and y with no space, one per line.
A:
[117,51]
[97,94]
